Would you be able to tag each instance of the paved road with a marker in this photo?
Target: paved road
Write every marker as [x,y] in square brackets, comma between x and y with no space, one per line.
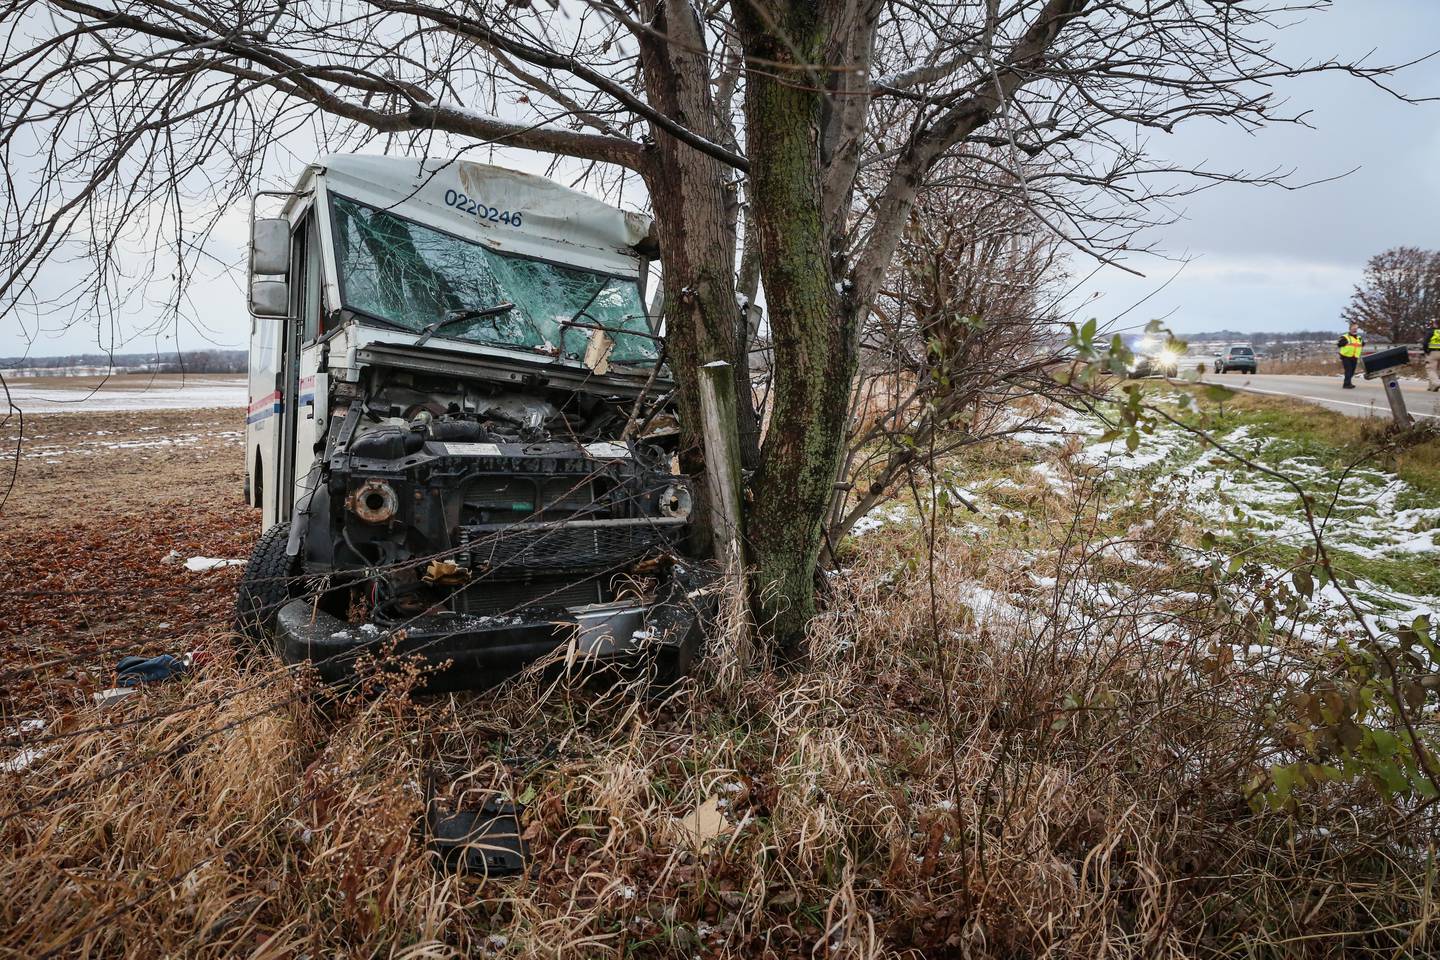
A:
[1366,400]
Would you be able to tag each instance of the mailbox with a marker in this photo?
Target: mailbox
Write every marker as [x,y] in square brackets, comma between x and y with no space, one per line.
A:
[1379,362]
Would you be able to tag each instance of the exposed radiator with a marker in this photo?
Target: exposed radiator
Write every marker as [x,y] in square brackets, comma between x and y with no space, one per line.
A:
[489,597]
[521,548]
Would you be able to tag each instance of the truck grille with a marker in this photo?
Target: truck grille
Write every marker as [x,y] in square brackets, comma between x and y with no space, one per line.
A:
[519,549]
[491,597]
[498,497]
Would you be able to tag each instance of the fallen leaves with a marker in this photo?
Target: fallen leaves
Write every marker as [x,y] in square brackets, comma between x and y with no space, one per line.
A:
[446,573]
[92,586]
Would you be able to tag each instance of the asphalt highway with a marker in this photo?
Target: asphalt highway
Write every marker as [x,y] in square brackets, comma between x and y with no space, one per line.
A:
[1366,400]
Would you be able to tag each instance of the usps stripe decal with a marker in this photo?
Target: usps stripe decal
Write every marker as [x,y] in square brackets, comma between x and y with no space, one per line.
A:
[273,404]
[264,407]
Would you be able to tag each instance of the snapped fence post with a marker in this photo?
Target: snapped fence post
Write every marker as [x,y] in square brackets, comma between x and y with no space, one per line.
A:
[722,475]
[722,458]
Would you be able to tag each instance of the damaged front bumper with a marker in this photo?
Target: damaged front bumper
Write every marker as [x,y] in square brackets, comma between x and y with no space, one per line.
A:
[463,651]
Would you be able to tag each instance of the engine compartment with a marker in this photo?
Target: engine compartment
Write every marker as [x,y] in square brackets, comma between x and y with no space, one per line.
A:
[437,494]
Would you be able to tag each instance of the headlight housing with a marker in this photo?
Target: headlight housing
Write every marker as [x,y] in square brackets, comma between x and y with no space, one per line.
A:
[676,501]
[374,501]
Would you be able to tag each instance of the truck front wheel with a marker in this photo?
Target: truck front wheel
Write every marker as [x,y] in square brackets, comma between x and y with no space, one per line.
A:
[270,580]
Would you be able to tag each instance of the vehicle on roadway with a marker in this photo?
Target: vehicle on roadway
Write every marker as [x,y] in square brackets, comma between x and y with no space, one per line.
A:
[1156,358]
[1238,357]
[459,434]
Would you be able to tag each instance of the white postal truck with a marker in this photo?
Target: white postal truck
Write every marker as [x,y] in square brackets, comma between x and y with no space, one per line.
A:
[459,434]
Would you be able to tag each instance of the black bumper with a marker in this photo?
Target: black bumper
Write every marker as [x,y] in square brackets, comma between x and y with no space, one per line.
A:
[469,652]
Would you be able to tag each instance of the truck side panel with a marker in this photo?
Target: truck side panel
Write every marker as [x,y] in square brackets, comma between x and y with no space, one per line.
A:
[262,437]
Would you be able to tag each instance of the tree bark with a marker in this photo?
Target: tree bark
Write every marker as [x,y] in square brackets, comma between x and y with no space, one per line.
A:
[692,223]
[811,323]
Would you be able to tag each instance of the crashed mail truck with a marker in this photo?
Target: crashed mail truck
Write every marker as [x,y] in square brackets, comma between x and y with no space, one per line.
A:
[459,436]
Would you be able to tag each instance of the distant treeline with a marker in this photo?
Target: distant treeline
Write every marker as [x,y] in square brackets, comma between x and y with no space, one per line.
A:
[1263,339]
[188,361]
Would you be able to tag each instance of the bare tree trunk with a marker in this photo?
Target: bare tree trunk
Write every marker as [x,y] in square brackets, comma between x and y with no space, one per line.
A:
[747,289]
[693,224]
[811,324]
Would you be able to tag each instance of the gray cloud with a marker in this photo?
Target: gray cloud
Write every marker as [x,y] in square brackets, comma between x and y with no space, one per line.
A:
[1268,258]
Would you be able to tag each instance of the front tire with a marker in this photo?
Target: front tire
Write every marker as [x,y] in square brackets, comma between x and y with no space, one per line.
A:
[270,581]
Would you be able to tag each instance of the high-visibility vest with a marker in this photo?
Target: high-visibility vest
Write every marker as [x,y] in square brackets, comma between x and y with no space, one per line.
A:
[1435,338]
[1352,346]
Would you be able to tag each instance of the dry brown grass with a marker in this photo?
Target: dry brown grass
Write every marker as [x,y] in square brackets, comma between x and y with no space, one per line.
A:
[1081,800]
[1324,366]
[1000,759]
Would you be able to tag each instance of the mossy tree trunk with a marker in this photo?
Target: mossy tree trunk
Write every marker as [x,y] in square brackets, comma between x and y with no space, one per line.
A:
[812,319]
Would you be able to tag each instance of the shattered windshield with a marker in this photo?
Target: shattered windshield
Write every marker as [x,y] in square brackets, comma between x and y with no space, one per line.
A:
[412,276]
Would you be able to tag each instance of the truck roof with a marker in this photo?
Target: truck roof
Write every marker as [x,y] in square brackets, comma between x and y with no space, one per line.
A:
[507,210]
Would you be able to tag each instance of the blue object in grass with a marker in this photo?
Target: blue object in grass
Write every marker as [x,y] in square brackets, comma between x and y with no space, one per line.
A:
[134,671]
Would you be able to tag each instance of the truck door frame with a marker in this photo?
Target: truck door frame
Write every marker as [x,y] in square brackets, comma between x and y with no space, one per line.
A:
[304,306]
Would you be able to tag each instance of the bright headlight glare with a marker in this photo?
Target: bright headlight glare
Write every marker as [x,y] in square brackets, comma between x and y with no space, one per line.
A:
[1168,356]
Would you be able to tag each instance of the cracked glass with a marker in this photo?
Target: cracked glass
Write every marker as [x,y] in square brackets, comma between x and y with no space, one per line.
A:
[412,276]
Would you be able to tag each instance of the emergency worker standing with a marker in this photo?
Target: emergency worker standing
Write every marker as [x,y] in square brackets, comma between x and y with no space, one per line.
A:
[1432,356]
[1350,345]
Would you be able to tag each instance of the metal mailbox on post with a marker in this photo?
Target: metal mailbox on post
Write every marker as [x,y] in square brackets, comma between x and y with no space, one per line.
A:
[1384,364]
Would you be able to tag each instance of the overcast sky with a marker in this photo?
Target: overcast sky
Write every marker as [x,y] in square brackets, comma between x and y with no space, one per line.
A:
[1264,258]
[1255,258]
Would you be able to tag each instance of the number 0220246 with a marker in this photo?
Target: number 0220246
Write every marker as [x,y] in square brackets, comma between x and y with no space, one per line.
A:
[453,198]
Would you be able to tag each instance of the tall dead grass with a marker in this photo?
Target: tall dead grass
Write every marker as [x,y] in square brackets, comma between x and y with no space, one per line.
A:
[1002,760]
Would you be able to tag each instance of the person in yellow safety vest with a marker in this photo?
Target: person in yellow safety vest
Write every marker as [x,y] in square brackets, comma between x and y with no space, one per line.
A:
[1431,347]
[1350,345]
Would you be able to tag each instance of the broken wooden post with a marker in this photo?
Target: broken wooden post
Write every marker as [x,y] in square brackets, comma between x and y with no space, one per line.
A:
[722,475]
[722,459]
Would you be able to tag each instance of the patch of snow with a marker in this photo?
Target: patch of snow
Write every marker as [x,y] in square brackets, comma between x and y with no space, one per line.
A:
[30,725]
[22,760]
[473,114]
[192,395]
[202,564]
[879,517]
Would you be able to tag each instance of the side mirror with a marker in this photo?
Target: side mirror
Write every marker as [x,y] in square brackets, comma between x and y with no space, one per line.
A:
[270,248]
[269,264]
[270,298]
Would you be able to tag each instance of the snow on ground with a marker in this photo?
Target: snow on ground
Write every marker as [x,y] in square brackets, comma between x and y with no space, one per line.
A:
[1364,521]
[193,394]
[1153,448]
[89,447]
[1056,430]
[201,564]
[879,517]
